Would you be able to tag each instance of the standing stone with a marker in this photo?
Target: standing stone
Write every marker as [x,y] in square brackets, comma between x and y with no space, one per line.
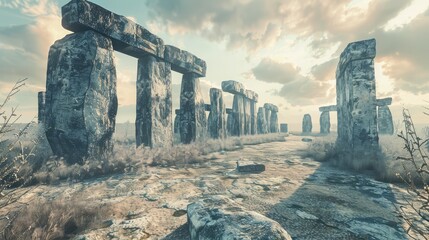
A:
[154,104]
[253,118]
[356,104]
[284,128]
[238,116]
[385,122]
[247,116]
[262,121]
[268,118]
[41,97]
[325,123]
[216,121]
[229,124]
[193,122]
[81,101]
[274,122]
[307,125]
[177,123]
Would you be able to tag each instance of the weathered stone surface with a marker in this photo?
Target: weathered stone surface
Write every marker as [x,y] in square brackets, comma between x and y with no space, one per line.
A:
[177,111]
[127,36]
[325,123]
[228,110]
[237,127]
[247,116]
[253,118]
[385,122]
[307,125]
[184,62]
[356,102]
[284,128]
[229,123]
[193,124]
[41,100]
[251,95]
[154,103]
[217,116]
[81,101]
[218,217]
[332,108]
[207,107]
[384,102]
[176,124]
[274,122]
[250,168]
[271,107]
[268,118]
[262,121]
[233,87]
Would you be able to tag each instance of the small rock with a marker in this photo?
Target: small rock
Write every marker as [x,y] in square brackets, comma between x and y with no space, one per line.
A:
[307,140]
[107,223]
[179,213]
[305,215]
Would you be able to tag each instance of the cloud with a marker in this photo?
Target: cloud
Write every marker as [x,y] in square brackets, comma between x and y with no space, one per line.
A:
[325,71]
[297,89]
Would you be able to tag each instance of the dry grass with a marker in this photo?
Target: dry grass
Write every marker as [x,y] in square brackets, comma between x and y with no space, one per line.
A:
[59,219]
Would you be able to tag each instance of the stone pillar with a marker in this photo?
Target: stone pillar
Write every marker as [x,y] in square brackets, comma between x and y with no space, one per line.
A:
[262,121]
[177,121]
[268,118]
[41,97]
[385,122]
[81,101]
[307,125]
[154,104]
[356,103]
[237,121]
[253,118]
[217,121]
[193,122]
[229,124]
[325,123]
[247,116]
[274,122]
[284,128]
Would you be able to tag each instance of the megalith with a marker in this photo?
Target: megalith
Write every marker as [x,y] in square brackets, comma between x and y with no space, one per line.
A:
[356,102]
[81,101]
[41,100]
[176,124]
[307,124]
[236,125]
[262,121]
[325,123]
[284,128]
[193,122]
[385,122]
[216,120]
[154,103]
[272,118]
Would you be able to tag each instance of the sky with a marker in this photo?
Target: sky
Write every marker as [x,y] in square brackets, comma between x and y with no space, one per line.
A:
[285,50]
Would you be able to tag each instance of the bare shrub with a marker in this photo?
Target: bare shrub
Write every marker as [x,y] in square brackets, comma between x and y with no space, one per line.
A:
[415,174]
[14,153]
[60,219]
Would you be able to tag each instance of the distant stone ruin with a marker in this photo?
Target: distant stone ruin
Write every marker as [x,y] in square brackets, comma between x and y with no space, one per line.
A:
[217,115]
[271,111]
[41,100]
[356,102]
[242,120]
[284,128]
[384,119]
[307,124]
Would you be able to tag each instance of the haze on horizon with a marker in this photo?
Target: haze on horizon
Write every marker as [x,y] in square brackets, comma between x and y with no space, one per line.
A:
[287,51]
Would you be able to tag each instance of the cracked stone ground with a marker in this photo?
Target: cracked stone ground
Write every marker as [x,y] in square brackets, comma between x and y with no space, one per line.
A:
[311,200]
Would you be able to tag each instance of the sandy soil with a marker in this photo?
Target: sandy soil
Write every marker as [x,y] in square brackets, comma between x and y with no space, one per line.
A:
[309,199]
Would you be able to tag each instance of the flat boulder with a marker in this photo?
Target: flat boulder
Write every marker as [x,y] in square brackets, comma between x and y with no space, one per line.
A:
[218,217]
[233,87]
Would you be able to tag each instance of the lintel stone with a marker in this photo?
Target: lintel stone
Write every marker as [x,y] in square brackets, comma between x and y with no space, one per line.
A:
[184,62]
[127,36]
